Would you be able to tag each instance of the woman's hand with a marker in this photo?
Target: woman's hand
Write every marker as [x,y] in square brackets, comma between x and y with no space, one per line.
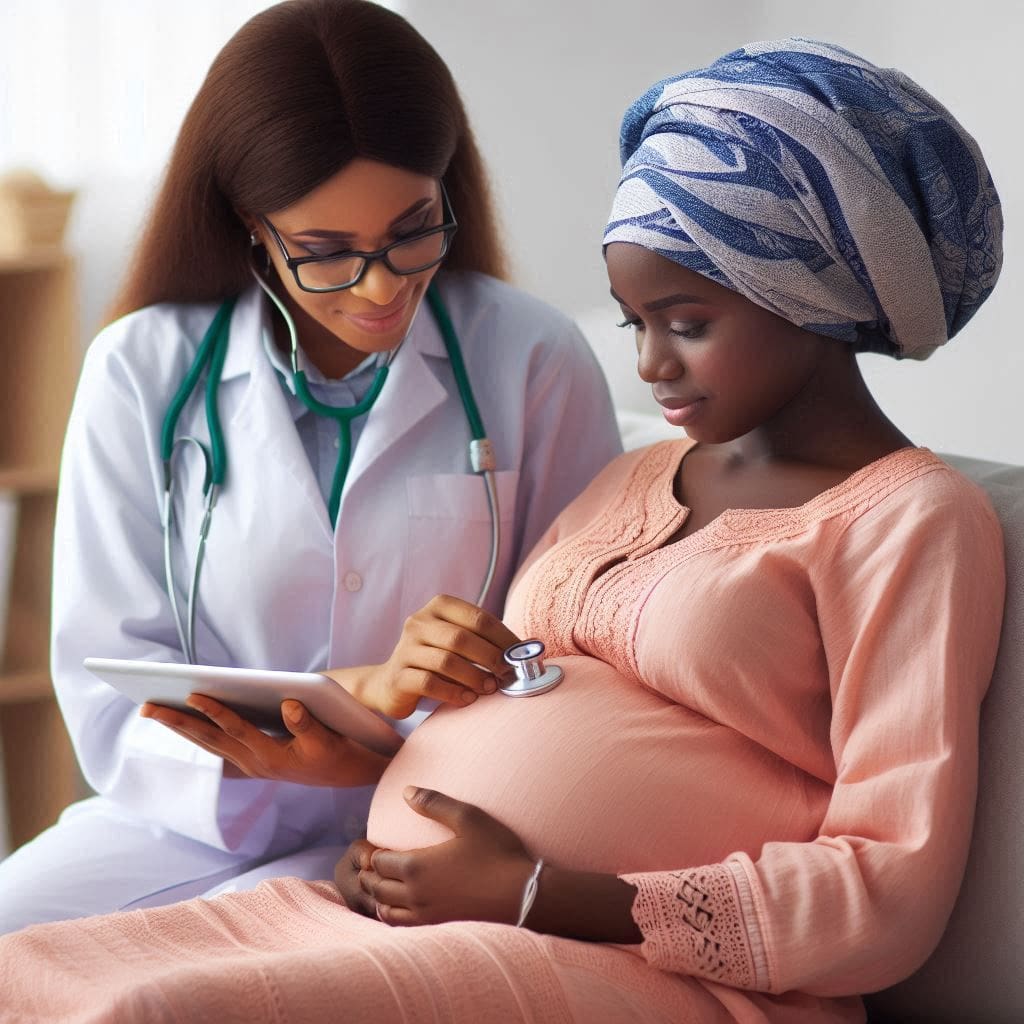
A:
[477,876]
[480,875]
[311,754]
[450,650]
[347,877]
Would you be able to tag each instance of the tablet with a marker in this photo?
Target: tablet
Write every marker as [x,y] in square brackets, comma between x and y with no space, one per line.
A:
[255,694]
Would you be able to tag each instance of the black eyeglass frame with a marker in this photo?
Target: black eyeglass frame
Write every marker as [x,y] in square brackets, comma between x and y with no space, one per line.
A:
[448,226]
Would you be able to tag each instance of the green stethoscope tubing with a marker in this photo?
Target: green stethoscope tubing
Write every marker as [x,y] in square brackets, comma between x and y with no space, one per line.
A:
[210,357]
[344,417]
[212,350]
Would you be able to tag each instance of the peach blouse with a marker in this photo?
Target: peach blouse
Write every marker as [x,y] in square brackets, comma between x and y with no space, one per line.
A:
[836,655]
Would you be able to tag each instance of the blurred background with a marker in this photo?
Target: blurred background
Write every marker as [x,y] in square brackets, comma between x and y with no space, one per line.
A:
[93,93]
[91,96]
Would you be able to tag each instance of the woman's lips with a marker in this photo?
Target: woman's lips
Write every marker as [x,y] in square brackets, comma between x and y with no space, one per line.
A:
[379,322]
[678,411]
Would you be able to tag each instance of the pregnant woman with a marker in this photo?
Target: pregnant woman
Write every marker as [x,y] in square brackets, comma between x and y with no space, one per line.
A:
[750,798]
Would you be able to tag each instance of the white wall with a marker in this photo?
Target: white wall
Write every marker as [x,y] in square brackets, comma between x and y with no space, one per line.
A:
[91,96]
[92,93]
[967,397]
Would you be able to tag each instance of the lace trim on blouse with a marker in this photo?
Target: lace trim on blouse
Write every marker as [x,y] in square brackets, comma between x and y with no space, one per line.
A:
[558,583]
[692,923]
[586,594]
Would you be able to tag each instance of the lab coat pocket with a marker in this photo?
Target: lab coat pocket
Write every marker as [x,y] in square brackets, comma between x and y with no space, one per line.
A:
[449,537]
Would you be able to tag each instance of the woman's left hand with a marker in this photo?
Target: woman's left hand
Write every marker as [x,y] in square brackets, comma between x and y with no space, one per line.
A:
[311,754]
[477,876]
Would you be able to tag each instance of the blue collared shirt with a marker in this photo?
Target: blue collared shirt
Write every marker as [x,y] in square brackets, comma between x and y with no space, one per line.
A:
[319,434]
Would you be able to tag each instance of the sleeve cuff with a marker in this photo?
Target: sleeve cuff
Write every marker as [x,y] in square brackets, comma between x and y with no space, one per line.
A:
[693,922]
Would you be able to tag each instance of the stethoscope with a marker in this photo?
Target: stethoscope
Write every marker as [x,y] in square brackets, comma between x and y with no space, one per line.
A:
[532,676]
[210,358]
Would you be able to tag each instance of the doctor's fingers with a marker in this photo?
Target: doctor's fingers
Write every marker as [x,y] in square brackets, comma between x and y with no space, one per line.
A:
[457,667]
[444,681]
[208,736]
[261,747]
[477,651]
[296,718]
[261,754]
[225,732]
[466,617]
[465,648]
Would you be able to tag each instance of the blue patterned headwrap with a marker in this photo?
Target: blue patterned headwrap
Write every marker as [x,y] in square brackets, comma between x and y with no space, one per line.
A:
[835,194]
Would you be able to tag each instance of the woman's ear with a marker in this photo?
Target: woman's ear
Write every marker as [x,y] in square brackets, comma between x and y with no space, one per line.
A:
[253,226]
[257,237]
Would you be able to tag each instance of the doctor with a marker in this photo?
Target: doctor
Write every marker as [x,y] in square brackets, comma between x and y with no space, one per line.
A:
[325,161]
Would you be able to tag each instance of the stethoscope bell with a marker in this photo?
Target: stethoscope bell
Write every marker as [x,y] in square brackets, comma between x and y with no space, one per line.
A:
[531,675]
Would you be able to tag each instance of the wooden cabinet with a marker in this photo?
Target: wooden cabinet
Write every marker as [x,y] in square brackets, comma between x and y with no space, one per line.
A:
[40,358]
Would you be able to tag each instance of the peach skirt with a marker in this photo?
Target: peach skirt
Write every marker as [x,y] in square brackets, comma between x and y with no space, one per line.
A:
[291,951]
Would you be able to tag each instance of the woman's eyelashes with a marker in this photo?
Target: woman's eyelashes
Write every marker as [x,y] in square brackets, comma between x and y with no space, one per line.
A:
[679,329]
[692,329]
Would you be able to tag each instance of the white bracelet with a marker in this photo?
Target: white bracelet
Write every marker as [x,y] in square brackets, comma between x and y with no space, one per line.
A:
[529,892]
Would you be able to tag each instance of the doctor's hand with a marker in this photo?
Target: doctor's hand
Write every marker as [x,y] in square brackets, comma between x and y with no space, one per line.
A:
[477,876]
[311,754]
[450,650]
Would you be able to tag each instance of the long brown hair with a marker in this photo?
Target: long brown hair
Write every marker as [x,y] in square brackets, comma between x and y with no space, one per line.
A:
[298,92]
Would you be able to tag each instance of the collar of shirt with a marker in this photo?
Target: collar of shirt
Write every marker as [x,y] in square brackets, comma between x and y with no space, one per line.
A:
[250,325]
[317,381]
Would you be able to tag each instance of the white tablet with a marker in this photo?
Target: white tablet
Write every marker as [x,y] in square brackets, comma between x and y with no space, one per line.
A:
[256,694]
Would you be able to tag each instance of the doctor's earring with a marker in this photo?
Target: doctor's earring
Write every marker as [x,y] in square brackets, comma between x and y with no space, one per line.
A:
[255,242]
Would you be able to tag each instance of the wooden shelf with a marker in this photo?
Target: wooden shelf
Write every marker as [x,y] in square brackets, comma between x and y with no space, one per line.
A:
[41,356]
[28,479]
[34,259]
[39,761]
[27,636]
[24,687]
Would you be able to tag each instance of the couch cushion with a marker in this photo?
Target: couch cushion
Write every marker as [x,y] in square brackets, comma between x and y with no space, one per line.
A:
[977,971]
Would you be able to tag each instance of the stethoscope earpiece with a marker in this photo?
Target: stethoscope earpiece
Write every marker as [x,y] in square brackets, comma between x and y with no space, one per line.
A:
[532,677]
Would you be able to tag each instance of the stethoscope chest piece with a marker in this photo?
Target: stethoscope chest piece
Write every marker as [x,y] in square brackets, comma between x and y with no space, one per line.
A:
[532,677]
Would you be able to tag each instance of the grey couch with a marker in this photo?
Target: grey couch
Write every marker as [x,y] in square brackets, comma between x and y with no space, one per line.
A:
[976,975]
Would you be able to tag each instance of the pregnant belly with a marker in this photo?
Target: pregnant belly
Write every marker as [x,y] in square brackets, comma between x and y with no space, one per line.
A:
[598,774]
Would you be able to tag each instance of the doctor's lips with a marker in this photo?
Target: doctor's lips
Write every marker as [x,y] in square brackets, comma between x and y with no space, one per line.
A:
[680,411]
[381,320]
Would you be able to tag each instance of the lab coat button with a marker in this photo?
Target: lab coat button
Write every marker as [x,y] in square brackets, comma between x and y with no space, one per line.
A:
[353,582]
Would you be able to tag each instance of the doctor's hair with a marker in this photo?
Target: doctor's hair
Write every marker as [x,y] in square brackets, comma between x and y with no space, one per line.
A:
[298,92]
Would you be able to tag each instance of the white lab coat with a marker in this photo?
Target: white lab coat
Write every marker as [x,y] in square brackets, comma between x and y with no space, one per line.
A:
[279,589]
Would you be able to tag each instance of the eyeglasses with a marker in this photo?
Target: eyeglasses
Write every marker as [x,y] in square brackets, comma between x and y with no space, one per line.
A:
[341,270]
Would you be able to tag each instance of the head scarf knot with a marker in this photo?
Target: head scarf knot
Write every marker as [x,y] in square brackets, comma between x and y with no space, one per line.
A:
[838,195]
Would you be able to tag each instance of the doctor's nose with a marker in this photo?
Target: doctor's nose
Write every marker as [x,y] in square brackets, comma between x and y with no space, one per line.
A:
[378,284]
